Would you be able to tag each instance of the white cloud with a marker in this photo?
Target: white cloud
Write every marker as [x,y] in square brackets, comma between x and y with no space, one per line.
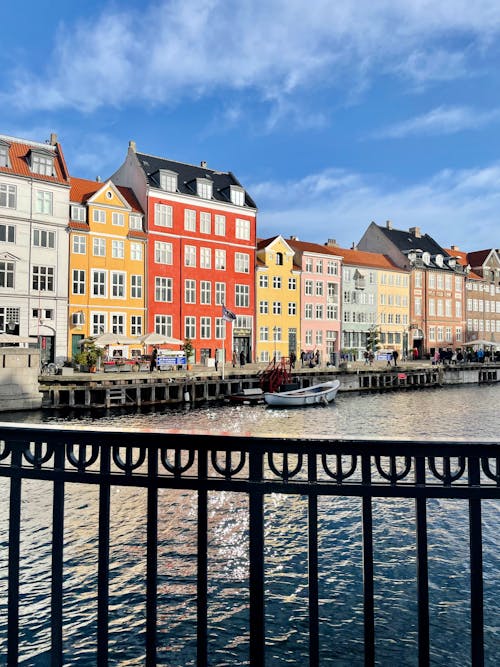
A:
[454,207]
[442,120]
[166,52]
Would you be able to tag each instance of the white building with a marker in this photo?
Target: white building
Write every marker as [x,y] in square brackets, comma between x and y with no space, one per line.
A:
[34,205]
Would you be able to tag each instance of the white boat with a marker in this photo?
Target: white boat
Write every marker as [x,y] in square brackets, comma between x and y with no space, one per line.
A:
[322,393]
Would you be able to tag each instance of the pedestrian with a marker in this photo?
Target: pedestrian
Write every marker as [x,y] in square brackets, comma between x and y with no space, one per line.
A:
[242,358]
[371,357]
[395,357]
[316,358]
[154,355]
[293,359]
[235,359]
[366,355]
[302,357]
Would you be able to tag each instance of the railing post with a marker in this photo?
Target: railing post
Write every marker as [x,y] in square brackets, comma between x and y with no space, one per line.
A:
[256,527]
[14,556]
[369,615]
[103,557]
[57,556]
[313,564]
[152,557]
[202,582]
[422,566]
[476,568]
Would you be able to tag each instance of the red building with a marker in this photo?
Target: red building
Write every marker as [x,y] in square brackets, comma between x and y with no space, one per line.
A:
[201,242]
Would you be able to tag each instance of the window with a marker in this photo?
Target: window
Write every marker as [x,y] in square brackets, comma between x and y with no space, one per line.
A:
[78,213]
[118,284]
[263,307]
[263,334]
[241,262]
[168,180]
[118,219]
[205,258]
[242,296]
[163,215]
[418,279]
[163,289]
[77,319]
[220,225]
[97,323]
[220,294]
[43,279]
[205,223]
[41,164]
[136,251]
[332,268]
[7,233]
[206,292]
[99,247]
[190,327]
[263,281]
[237,195]
[204,188]
[292,308]
[79,245]
[117,323]
[6,274]
[136,286]
[220,328]
[332,312]
[43,202]
[242,229]
[319,288]
[279,259]
[43,238]
[292,283]
[136,325]
[4,155]
[319,266]
[163,253]
[189,220]
[190,291]
[308,287]
[117,249]
[319,311]
[220,259]
[309,265]
[189,255]
[276,307]
[163,325]
[276,282]
[8,196]
[78,281]
[205,327]
[98,215]
[98,283]
[308,311]
[135,222]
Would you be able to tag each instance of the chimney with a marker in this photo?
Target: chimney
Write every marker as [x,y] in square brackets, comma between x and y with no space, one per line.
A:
[294,238]
[455,248]
[354,246]
[388,224]
[203,164]
[416,232]
[98,179]
[331,243]
[131,145]
[53,139]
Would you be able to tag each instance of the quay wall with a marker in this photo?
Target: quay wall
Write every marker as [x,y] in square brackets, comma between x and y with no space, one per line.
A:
[108,390]
[19,385]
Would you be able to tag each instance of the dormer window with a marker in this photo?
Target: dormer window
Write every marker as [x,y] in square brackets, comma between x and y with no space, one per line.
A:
[452,262]
[412,256]
[279,258]
[4,155]
[439,260]
[426,258]
[78,213]
[359,280]
[135,222]
[204,188]
[237,195]
[42,163]
[168,180]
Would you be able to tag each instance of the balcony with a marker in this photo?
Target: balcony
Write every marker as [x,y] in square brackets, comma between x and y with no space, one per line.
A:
[256,471]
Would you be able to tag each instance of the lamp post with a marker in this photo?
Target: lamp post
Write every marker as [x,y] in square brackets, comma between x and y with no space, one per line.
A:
[275,331]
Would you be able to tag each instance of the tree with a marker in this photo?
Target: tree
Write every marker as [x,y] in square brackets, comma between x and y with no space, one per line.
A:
[373,339]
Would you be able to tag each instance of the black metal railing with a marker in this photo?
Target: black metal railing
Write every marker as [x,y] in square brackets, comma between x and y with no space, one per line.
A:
[255,467]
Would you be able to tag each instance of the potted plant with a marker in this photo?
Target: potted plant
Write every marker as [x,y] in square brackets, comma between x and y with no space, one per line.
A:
[188,351]
[89,357]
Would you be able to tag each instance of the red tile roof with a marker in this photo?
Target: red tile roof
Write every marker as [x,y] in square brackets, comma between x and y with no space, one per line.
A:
[19,157]
[371,259]
[83,189]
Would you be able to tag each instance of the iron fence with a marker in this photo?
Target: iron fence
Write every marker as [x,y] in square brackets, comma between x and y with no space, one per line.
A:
[255,467]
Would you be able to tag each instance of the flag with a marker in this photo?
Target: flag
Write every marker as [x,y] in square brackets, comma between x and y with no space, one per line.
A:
[227,315]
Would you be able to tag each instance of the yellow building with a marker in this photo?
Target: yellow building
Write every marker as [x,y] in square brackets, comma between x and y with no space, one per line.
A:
[277,300]
[394,308]
[107,256]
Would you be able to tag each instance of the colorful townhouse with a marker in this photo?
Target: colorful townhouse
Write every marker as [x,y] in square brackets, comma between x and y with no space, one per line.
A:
[482,293]
[278,300]
[320,298]
[34,197]
[437,285]
[107,262]
[201,229]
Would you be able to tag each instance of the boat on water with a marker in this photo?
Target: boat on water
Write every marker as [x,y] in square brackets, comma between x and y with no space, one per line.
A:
[318,394]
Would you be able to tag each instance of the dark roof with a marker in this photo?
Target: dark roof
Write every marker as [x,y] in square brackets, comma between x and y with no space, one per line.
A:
[406,241]
[187,175]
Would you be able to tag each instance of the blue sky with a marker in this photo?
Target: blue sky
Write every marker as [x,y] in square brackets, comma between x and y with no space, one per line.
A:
[331,113]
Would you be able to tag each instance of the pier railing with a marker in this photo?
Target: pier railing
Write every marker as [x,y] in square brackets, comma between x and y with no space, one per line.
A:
[254,467]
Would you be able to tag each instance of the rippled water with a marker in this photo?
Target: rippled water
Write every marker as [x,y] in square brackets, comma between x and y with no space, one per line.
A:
[451,413]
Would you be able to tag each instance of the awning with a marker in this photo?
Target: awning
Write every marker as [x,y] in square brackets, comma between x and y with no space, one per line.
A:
[12,339]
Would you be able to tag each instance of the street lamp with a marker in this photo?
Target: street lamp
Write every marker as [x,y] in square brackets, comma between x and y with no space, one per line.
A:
[275,333]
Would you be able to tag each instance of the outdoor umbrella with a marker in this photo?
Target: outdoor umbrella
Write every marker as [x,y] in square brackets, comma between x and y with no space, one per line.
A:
[6,338]
[106,339]
[154,338]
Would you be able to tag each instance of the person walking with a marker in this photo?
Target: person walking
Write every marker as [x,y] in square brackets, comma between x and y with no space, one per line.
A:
[154,356]
[235,359]
[395,357]
[242,358]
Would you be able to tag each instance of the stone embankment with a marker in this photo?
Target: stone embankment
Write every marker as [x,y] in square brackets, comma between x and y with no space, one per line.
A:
[108,390]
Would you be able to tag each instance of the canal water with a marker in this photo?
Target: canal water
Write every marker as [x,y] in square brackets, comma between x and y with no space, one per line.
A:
[456,413]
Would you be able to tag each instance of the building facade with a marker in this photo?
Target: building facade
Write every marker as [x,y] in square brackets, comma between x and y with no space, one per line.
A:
[34,197]
[277,300]
[201,239]
[107,262]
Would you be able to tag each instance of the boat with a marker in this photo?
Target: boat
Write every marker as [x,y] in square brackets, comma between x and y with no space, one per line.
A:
[322,393]
[247,397]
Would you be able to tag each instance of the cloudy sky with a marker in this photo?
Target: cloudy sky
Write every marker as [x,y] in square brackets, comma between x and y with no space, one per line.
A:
[331,113]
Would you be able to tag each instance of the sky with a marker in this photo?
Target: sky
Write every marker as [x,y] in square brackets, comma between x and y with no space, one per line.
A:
[331,113]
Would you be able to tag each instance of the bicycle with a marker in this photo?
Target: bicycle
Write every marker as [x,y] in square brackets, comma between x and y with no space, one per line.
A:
[50,368]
